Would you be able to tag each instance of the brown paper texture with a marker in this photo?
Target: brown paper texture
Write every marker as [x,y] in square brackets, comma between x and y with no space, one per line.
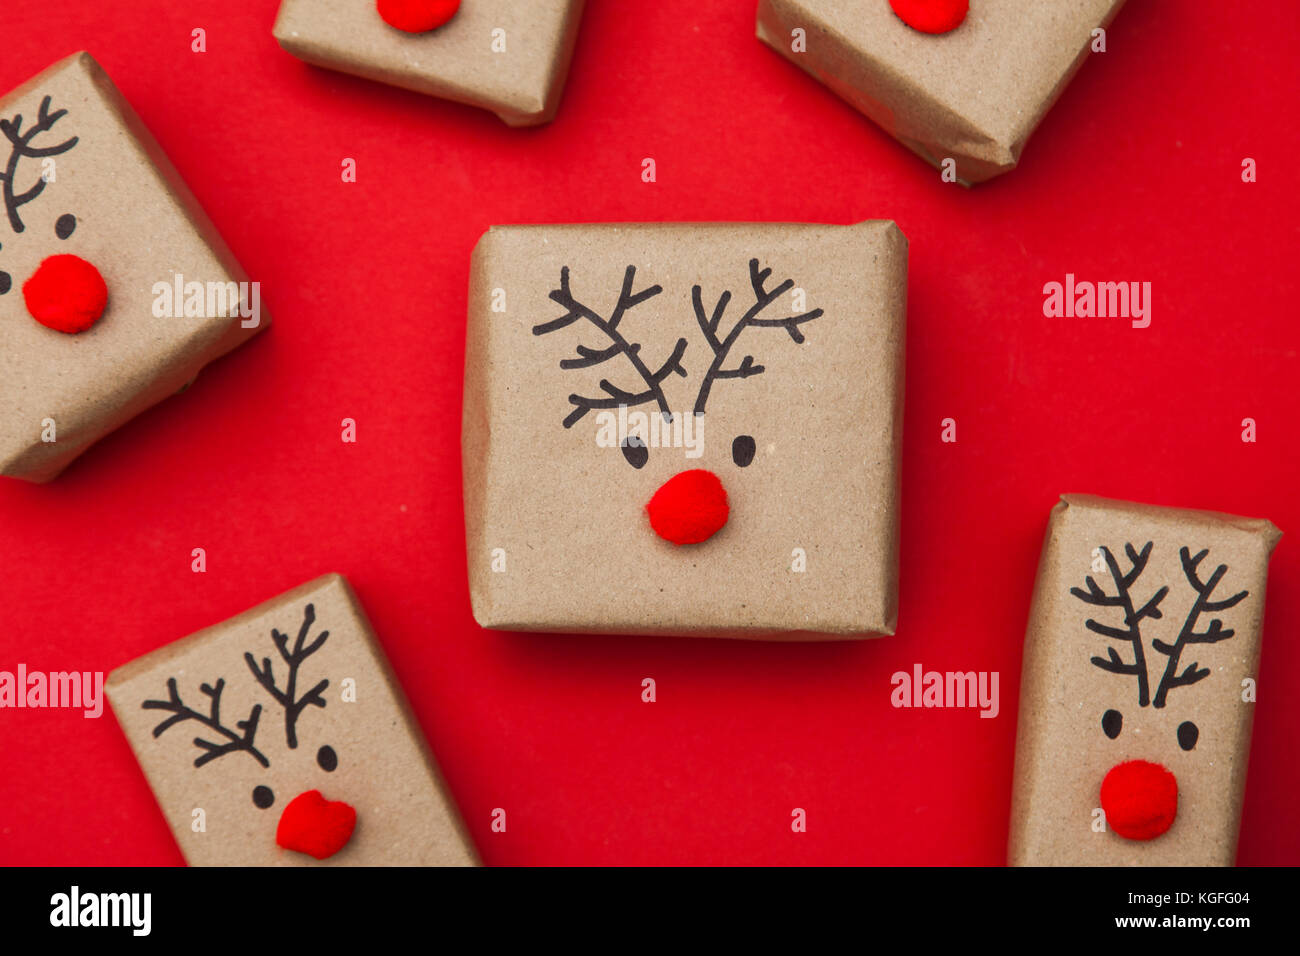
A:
[974,94]
[521,83]
[1062,752]
[384,770]
[139,225]
[557,534]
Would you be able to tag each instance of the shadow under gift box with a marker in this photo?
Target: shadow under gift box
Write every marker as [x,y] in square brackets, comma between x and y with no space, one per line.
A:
[766,508]
[85,178]
[1137,692]
[973,95]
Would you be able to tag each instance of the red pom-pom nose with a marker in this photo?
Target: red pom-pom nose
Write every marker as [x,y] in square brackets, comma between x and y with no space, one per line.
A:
[66,294]
[689,508]
[1140,799]
[931,16]
[313,825]
[417,16]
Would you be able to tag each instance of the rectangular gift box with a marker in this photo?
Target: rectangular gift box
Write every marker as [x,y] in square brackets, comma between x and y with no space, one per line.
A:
[292,696]
[508,57]
[97,186]
[1143,645]
[974,94]
[776,349]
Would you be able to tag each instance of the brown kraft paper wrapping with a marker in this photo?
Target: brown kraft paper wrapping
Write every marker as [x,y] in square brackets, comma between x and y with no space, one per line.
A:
[1079,686]
[500,55]
[139,225]
[381,765]
[558,538]
[974,94]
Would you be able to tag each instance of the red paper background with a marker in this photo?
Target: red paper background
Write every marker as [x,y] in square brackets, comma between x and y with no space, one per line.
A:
[1136,174]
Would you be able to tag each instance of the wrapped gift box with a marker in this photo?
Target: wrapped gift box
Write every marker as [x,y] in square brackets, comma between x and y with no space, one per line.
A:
[1138,686]
[973,94]
[628,385]
[85,183]
[267,725]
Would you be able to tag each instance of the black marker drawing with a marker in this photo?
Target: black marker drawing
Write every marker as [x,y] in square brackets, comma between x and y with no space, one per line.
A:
[243,735]
[619,345]
[293,706]
[722,347]
[742,450]
[235,741]
[20,147]
[1131,632]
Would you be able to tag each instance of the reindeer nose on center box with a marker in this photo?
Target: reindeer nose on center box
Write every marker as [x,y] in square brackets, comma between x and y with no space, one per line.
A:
[1140,799]
[313,825]
[689,507]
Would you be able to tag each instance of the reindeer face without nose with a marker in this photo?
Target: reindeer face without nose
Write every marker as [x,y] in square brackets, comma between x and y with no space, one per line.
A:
[693,505]
[65,292]
[1140,797]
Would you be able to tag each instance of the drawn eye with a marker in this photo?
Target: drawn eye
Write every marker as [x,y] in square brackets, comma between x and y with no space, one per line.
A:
[635,451]
[5,282]
[742,450]
[65,226]
[263,797]
[327,758]
[1187,735]
[1112,722]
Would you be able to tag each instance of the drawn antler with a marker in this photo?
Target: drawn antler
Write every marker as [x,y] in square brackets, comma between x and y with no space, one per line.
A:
[20,147]
[619,345]
[180,712]
[1188,635]
[722,347]
[1123,599]
[292,705]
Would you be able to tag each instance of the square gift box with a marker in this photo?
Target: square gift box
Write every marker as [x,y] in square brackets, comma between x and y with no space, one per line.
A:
[685,428]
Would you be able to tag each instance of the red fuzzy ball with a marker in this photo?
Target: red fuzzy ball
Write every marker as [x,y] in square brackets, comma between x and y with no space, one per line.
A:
[313,825]
[931,16]
[1140,799]
[66,294]
[689,508]
[417,16]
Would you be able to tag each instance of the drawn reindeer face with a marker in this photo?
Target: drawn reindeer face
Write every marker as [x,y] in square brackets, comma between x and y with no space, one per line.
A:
[308,823]
[65,293]
[115,288]
[1140,797]
[653,409]
[693,505]
[245,728]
